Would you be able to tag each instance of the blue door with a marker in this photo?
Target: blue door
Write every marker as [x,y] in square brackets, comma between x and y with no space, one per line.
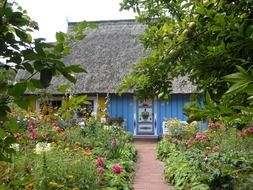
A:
[145,117]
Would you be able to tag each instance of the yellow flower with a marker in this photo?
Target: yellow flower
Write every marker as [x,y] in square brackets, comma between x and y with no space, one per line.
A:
[54,144]
[29,186]
[77,161]
[85,153]
[70,176]
[60,185]
[66,149]
[52,183]
[75,188]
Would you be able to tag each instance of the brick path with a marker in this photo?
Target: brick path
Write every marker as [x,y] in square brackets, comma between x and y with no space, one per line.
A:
[148,170]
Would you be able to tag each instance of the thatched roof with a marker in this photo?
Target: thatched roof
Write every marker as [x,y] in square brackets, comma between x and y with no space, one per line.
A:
[108,53]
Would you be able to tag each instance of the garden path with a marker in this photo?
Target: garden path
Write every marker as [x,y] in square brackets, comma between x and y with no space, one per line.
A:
[148,170]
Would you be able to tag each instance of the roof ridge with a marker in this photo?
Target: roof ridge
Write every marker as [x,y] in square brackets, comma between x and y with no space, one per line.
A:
[106,21]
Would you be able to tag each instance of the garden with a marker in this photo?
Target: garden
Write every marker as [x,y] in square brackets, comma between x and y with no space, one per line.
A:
[47,152]
[219,157]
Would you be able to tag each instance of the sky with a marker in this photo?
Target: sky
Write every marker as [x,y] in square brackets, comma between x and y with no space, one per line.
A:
[52,15]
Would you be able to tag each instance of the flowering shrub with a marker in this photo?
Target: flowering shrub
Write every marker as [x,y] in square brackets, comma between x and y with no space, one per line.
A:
[218,158]
[51,156]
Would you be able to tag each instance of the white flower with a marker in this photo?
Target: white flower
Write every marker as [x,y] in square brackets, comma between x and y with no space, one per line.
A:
[107,127]
[82,124]
[15,146]
[42,147]
[103,120]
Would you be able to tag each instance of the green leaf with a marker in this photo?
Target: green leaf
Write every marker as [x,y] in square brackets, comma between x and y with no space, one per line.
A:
[18,89]
[28,67]
[46,77]
[59,48]
[21,34]
[12,125]
[4,158]
[9,140]
[63,88]
[36,83]
[237,87]
[76,69]
[60,37]
[38,66]
[2,133]
[69,77]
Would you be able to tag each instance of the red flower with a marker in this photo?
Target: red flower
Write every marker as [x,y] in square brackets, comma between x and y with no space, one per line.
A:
[216,148]
[174,141]
[217,124]
[116,168]
[65,138]
[206,153]
[100,161]
[242,134]
[89,149]
[100,170]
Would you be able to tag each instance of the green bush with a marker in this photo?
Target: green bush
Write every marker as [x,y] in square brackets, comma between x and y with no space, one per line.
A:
[216,159]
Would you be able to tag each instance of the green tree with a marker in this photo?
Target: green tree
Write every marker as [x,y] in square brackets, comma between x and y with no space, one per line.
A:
[204,40]
[20,52]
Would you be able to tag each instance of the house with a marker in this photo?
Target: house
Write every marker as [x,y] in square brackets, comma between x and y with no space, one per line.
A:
[108,53]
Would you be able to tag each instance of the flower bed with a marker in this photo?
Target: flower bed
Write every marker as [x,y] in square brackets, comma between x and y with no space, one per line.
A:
[49,156]
[217,158]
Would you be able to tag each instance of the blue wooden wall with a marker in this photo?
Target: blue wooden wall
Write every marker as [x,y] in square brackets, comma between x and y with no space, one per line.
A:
[171,109]
[122,106]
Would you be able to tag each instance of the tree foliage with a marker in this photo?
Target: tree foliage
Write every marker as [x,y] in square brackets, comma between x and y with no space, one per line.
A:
[204,40]
[20,52]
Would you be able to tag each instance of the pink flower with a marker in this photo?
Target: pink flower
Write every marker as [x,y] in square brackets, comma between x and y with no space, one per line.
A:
[116,168]
[58,129]
[31,125]
[100,170]
[33,135]
[17,135]
[115,143]
[216,148]
[249,130]
[200,137]
[100,161]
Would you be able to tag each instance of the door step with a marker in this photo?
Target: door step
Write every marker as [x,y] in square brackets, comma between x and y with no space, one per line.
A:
[150,138]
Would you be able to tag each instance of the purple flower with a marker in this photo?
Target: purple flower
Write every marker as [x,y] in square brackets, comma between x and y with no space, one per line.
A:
[250,130]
